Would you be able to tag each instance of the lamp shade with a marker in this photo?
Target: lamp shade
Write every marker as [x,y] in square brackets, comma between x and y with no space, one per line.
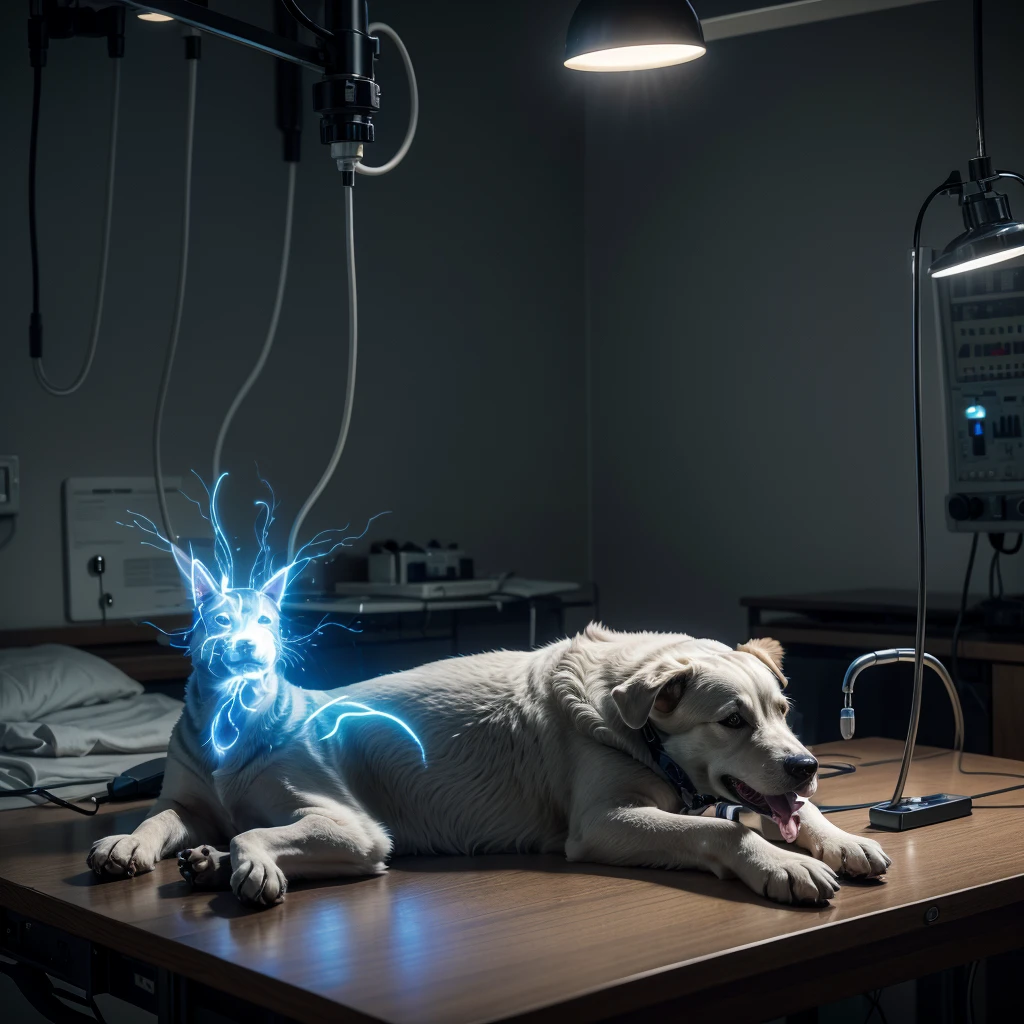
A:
[980,247]
[992,236]
[632,35]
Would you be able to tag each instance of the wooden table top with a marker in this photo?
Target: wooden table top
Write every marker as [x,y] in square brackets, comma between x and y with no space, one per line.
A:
[527,938]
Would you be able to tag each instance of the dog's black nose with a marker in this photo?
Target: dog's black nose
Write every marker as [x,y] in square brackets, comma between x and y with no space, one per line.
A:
[244,646]
[800,767]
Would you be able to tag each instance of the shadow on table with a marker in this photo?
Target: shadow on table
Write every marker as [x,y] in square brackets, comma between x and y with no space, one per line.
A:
[690,881]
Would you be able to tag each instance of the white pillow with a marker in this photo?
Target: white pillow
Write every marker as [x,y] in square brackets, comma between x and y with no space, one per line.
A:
[36,681]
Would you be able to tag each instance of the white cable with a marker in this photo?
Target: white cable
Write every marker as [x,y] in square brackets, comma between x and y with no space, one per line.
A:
[350,384]
[414,103]
[172,345]
[101,286]
[350,257]
[268,344]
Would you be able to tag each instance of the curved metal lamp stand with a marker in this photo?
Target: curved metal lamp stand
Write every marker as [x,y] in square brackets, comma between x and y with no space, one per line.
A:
[990,238]
[902,813]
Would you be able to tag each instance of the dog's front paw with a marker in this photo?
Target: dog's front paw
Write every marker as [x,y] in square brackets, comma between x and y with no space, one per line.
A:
[119,857]
[793,878]
[256,879]
[850,855]
[205,867]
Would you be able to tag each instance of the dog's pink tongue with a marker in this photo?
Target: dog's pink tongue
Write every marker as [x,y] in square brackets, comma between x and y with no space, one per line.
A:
[786,814]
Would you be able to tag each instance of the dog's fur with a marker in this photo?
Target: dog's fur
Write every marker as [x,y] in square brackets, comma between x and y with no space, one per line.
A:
[525,751]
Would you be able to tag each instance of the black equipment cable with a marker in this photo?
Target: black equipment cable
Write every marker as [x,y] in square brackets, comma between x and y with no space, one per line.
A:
[997,542]
[995,575]
[958,627]
[44,791]
[964,593]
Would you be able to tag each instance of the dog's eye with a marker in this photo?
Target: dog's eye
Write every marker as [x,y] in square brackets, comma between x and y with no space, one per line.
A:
[734,721]
[264,620]
[222,620]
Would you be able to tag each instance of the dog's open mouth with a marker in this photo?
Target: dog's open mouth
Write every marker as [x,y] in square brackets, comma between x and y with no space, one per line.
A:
[244,666]
[783,809]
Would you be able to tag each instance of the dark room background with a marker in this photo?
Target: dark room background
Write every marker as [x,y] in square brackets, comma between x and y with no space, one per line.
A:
[650,330]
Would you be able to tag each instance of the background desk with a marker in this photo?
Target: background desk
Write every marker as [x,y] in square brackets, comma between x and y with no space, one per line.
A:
[452,940]
[392,634]
[856,621]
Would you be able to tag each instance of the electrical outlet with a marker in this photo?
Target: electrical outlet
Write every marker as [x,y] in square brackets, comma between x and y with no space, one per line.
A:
[9,488]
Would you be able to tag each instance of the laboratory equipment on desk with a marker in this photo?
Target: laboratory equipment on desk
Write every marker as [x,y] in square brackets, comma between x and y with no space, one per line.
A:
[399,564]
[448,562]
[981,328]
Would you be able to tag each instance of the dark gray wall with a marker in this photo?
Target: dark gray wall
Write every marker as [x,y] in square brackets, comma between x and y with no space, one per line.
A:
[469,416]
[749,219]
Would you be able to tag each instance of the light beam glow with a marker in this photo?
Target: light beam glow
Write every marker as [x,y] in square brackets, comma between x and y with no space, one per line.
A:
[643,57]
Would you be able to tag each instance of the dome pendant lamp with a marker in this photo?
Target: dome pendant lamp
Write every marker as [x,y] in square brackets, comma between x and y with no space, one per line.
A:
[632,35]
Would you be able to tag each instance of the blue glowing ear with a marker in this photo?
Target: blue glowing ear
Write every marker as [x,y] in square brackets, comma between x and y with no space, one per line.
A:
[196,576]
[274,587]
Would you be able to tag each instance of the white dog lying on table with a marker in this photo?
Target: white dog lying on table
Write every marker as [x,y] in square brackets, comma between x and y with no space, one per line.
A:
[601,746]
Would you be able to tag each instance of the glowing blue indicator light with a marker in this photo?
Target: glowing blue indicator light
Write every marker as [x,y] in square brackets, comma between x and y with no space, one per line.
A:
[975,412]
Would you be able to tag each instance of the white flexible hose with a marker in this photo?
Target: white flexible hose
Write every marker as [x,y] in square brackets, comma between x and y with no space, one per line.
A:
[350,257]
[414,102]
[101,286]
[172,345]
[350,383]
[275,316]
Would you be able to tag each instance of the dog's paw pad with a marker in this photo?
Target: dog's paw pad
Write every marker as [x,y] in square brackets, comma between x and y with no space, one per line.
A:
[258,882]
[121,856]
[855,856]
[205,867]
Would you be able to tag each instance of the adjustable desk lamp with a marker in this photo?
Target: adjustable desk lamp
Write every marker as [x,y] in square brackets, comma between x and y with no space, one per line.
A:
[616,35]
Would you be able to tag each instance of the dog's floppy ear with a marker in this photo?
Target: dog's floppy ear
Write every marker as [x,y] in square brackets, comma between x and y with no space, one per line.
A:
[274,587]
[770,652]
[638,696]
[196,576]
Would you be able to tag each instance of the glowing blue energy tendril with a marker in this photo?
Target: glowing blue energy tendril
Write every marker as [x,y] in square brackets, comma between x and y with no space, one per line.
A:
[364,712]
[235,688]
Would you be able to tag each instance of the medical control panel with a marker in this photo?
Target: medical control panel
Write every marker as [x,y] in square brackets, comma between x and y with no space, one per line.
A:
[981,317]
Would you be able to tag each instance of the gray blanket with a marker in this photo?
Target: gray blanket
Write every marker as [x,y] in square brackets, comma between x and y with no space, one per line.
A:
[66,715]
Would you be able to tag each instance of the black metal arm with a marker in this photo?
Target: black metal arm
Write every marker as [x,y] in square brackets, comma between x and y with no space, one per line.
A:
[317,58]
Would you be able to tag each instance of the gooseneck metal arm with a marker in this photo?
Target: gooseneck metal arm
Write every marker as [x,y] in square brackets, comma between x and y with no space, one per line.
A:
[847,722]
[922,544]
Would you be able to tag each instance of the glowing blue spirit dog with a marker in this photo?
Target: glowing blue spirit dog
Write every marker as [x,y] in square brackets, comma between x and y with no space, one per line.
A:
[237,639]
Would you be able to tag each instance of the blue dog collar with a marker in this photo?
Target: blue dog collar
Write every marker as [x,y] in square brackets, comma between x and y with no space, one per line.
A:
[680,781]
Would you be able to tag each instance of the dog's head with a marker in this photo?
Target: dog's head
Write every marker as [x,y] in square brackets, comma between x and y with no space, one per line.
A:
[722,716]
[236,632]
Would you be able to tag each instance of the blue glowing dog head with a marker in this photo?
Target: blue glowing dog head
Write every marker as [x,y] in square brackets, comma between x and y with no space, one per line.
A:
[237,640]
[236,632]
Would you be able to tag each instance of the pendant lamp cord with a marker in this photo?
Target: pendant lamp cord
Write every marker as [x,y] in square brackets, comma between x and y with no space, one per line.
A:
[979,79]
